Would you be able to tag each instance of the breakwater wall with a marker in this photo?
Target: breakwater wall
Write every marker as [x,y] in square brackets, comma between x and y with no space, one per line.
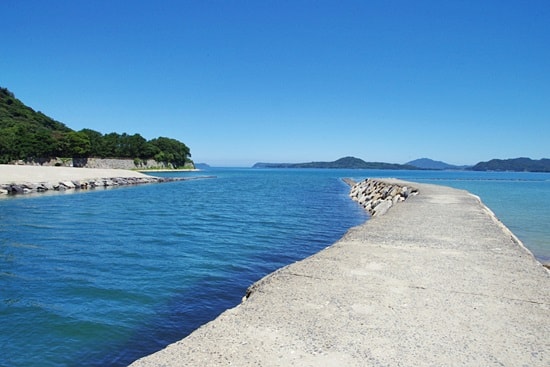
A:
[88,184]
[377,196]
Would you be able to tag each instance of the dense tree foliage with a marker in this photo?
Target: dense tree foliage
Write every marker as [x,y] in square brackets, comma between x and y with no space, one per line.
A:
[26,135]
[170,150]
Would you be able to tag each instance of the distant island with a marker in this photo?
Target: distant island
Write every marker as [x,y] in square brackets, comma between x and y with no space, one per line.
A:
[30,136]
[202,166]
[427,163]
[516,164]
[346,162]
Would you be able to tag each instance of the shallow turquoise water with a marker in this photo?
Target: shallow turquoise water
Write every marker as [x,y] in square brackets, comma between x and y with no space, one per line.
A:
[102,278]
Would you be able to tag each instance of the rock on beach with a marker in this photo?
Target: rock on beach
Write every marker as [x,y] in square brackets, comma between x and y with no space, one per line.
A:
[23,179]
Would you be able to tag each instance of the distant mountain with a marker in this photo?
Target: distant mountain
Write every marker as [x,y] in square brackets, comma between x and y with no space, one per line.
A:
[201,166]
[427,163]
[271,165]
[514,164]
[346,162]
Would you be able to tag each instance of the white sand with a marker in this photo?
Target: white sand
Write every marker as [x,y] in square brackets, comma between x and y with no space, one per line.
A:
[36,174]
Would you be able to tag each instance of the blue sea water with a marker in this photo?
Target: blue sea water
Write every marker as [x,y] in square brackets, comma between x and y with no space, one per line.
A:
[104,277]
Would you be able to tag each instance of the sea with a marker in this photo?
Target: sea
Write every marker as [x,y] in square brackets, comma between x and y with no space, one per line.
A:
[106,276]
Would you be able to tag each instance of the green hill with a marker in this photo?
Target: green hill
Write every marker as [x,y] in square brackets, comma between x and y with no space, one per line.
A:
[514,164]
[30,136]
[346,162]
[14,113]
[26,133]
[427,163]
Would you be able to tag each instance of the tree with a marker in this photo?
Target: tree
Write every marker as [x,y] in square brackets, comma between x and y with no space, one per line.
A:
[133,145]
[110,145]
[78,144]
[171,151]
[96,142]
[8,150]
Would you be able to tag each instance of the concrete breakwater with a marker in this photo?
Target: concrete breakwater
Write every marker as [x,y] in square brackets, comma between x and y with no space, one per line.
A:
[29,188]
[377,196]
[436,281]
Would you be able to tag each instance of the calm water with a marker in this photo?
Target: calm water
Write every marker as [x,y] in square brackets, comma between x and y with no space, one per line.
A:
[104,277]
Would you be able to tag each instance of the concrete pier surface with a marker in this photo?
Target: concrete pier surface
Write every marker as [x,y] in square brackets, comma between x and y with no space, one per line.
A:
[436,281]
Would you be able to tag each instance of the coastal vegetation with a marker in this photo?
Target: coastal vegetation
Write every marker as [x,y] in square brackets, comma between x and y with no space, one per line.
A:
[29,135]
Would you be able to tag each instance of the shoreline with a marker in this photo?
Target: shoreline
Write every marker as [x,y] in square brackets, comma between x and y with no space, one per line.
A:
[169,170]
[26,179]
[434,280]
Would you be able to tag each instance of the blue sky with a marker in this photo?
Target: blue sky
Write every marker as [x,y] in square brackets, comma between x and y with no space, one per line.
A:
[291,81]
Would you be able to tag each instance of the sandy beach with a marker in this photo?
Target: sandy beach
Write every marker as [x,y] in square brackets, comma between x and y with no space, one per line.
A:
[35,174]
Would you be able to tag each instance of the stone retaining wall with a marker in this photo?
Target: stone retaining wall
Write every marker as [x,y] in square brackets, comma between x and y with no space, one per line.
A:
[117,163]
[377,197]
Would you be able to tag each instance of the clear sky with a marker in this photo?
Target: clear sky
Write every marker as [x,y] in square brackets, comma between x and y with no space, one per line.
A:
[241,82]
